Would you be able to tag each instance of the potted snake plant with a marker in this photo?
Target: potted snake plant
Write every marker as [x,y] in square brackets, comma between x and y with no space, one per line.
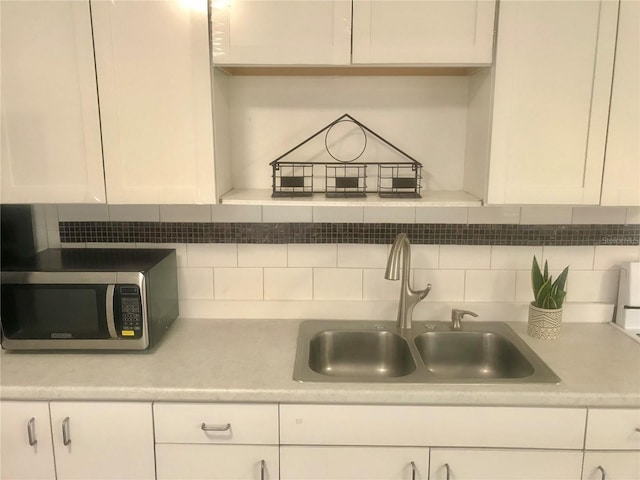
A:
[545,312]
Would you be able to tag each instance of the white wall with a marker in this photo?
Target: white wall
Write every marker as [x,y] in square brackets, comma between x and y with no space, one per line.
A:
[347,280]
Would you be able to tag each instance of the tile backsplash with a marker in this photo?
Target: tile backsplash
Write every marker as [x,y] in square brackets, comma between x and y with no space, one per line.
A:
[331,261]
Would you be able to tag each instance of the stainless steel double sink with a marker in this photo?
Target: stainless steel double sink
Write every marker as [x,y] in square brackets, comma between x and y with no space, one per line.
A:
[429,352]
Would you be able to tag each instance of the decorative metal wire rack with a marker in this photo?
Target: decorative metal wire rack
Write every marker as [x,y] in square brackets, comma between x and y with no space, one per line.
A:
[346,177]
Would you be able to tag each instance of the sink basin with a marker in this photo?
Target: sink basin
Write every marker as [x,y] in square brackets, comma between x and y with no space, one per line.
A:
[360,354]
[430,352]
[471,355]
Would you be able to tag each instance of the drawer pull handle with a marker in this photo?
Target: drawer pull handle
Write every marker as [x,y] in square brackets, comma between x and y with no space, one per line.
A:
[31,431]
[413,471]
[215,428]
[66,436]
[604,474]
[448,469]
[263,469]
[638,430]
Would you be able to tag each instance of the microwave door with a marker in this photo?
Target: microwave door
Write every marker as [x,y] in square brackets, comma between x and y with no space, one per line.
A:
[67,311]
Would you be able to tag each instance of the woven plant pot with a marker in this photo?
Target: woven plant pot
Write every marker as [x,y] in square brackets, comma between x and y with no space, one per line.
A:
[544,323]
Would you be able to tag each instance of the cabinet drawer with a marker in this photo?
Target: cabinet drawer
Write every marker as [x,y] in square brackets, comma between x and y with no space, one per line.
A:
[613,429]
[224,423]
[217,462]
[432,426]
[622,465]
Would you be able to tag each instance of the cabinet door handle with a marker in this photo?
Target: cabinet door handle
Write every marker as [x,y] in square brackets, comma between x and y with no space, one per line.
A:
[602,472]
[448,469]
[413,470]
[31,431]
[215,428]
[263,470]
[66,436]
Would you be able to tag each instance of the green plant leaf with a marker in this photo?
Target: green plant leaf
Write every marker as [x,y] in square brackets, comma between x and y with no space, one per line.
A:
[542,294]
[536,277]
[560,297]
[546,271]
[562,279]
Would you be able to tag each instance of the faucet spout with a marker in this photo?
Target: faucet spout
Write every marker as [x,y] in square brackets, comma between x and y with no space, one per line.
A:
[409,298]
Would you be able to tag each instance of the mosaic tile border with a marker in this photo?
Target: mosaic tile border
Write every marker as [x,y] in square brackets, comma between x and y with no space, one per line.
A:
[363,233]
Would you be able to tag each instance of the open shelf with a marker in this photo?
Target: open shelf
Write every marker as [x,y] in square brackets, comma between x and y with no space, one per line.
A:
[429,199]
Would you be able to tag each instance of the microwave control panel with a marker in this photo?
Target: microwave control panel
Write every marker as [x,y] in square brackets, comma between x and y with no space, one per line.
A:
[130,311]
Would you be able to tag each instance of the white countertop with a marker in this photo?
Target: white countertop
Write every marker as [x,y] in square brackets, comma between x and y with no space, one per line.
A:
[204,360]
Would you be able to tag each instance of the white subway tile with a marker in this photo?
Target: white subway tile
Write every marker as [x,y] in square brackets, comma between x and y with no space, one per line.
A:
[441,214]
[277,214]
[236,213]
[389,214]
[465,256]
[266,255]
[312,255]
[212,255]
[425,256]
[513,257]
[288,283]
[362,256]
[592,286]
[238,283]
[633,215]
[578,258]
[490,286]
[446,285]
[376,287]
[599,215]
[180,248]
[337,284]
[524,290]
[612,257]
[134,213]
[83,213]
[546,215]
[195,283]
[494,215]
[338,214]
[185,213]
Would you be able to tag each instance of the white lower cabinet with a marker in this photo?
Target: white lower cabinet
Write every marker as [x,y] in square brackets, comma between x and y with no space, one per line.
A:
[26,451]
[103,440]
[611,466]
[497,464]
[353,463]
[216,441]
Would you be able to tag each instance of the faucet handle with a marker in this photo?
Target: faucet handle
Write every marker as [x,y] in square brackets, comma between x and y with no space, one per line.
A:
[457,315]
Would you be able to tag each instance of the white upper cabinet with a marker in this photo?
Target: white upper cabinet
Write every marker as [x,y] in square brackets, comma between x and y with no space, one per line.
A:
[621,182]
[154,82]
[553,71]
[51,150]
[281,32]
[342,32]
[436,32]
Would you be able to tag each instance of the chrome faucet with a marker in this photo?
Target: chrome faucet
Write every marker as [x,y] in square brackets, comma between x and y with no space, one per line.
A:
[409,298]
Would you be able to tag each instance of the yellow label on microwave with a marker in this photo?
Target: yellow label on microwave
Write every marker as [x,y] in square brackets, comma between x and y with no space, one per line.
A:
[127,333]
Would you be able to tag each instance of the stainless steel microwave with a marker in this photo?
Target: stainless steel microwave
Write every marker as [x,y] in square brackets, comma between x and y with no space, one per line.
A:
[89,299]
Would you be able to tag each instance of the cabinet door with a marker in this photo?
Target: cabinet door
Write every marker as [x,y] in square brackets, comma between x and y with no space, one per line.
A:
[51,150]
[423,32]
[281,32]
[154,80]
[505,464]
[613,466]
[217,462]
[26,452]
[554,63]
[621,182]
[353,463]
[103,440]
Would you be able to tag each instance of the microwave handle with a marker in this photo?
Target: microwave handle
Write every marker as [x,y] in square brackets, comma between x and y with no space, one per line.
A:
[111,324]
